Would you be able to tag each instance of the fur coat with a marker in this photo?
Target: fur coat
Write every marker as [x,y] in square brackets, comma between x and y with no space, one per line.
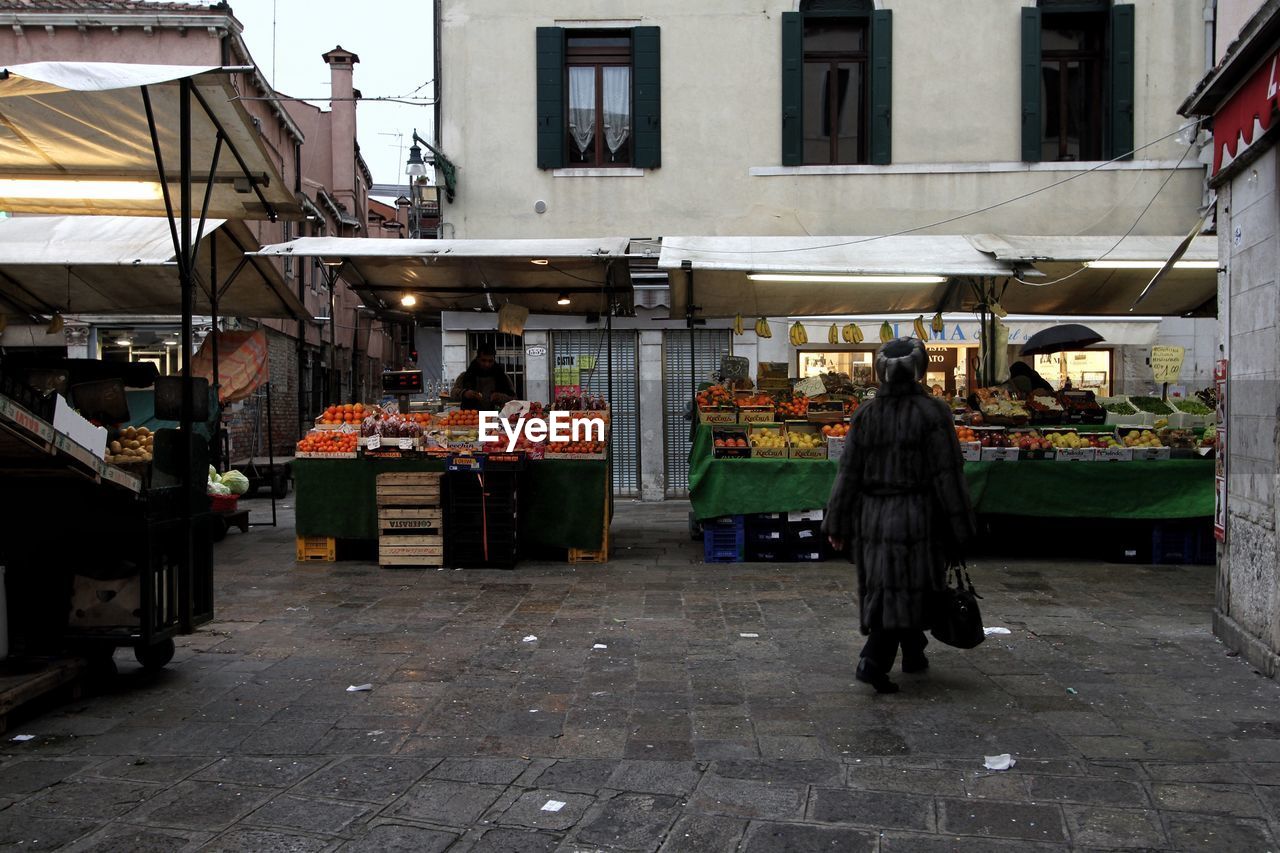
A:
[901,502]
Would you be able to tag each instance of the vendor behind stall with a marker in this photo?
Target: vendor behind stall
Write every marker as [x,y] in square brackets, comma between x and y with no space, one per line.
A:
[484,385]
[1023,377]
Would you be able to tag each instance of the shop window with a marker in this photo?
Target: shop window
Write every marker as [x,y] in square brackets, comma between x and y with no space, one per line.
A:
[836,84]
[1077,80]
[1084,370]
[598,98]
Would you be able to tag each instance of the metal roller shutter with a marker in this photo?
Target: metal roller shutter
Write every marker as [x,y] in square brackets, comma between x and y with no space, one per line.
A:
[625,400]
[709,345]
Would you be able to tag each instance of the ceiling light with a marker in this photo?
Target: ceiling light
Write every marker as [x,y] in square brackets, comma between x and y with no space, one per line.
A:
[171,343]
[542,262]
[802,278]
[408,300]
[331,262]
[564,299]
[70,189]
[1150,265]
[123,341]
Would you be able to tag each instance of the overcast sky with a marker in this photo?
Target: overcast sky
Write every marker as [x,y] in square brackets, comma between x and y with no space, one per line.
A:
[392,39]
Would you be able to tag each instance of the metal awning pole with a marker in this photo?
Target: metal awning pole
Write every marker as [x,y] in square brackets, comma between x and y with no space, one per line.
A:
[271,455]
[213,331]
[186,282]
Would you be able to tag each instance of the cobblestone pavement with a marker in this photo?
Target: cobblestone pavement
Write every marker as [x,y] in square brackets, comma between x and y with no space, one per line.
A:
[656,703]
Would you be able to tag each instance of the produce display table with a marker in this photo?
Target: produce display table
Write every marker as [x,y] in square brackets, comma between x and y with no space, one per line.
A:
[1172,489]
[562,501]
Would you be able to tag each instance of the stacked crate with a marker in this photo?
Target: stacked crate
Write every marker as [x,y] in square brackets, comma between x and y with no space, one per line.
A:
[410,519]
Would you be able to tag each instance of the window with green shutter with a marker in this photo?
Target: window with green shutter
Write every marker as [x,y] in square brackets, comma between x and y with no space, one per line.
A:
[598,97]
[1077,80]
[836,83]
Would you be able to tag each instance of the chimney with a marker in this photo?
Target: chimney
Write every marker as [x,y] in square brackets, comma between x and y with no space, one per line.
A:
[342,127]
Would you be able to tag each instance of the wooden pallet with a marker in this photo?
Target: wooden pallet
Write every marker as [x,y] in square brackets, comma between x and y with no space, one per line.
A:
[410,520]
[19,686]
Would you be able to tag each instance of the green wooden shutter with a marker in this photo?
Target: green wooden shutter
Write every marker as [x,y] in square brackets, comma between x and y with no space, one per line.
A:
[881,114]
[1031,107]
[792,89]
[1120,126]
[646,124]
[551,121]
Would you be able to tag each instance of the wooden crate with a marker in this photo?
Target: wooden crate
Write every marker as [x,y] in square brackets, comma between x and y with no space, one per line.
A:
[586,555]
[410,519]
[317,548]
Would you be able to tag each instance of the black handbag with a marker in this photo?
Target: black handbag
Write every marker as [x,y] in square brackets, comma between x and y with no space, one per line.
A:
[957,620]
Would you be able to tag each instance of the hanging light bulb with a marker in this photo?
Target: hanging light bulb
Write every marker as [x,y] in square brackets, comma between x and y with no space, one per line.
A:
[564,299]
[408,300]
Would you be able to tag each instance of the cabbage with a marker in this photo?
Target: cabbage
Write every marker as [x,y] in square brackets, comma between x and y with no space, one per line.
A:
[218,489]
[235,481]
[213,475]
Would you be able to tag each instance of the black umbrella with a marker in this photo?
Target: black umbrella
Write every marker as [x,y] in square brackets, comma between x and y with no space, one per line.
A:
[1068,336]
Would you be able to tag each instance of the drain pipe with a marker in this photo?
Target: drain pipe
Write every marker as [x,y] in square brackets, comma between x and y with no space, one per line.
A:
[1210,42]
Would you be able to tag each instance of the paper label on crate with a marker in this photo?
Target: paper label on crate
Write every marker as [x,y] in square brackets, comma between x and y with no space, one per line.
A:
[373,442]
[805,534]
[406,444]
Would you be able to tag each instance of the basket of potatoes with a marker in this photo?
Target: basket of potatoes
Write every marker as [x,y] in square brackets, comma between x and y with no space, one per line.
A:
[131,447]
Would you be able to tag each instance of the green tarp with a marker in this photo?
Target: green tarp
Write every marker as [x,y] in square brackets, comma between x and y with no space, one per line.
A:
[561,502]
[1178,488]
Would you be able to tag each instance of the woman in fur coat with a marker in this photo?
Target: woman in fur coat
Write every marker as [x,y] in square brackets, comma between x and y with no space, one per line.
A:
[901,502]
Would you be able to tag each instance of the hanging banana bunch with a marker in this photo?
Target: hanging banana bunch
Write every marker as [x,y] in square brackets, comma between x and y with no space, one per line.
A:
[922,332]
[799,337]
[762,328]
[886,332]
[938,326]
[851,333]
[737,325]
[833,335]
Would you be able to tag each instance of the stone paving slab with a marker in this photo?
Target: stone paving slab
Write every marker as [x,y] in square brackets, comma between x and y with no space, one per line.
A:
[1131,726]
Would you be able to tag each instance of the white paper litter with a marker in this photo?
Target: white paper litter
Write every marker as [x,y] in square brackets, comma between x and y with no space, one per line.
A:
[553,806]
[989,631]
[749,636]
[21,738]
[359,688]
[599,646]
[532,638]
[999,762]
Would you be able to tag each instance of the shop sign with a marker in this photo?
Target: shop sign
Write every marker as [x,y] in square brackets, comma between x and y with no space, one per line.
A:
[535,351]
[1166,363]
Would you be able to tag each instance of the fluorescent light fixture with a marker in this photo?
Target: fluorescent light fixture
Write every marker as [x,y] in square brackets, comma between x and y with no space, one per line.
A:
[72,189]
[408,300]
[171,343]
[123,341]
[331,262]
[805,278]
[1105,264]
[542,262]
[564,299]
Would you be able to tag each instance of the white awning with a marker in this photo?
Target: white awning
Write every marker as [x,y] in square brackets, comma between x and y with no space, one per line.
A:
[124,265]
[1068,285]
[87,122]
[451,275]
[721,267]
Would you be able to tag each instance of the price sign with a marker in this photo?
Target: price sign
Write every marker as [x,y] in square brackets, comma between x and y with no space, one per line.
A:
[1166,363]
[811,387]
[373,442]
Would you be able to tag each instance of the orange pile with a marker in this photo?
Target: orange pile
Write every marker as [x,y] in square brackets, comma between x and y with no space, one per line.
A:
[756,400]
[576,447]
[461,418]
[346,413]
[797,407]
[966,434]
[836,430]
[715,397]
[328,441]
[422,418]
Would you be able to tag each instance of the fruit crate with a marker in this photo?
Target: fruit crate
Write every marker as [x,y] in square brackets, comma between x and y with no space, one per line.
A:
[723,539]
[818,452]
[724,415]
[758,452]
[835,447]
[600,555]
[731,434]
[317,548]
[825,411]
[755,414]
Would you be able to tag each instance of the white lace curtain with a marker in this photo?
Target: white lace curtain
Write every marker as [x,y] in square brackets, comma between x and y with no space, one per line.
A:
[582,106]
[617,107]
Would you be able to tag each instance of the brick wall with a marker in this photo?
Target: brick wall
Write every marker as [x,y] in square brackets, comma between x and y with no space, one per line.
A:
[242,423]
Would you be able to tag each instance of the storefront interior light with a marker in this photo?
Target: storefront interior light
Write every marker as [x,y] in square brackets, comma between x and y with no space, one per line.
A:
[408,300]
[815,278]
[1104,264]
[542,262]
[331,262]
[564,299]
[70,189]
[123,341]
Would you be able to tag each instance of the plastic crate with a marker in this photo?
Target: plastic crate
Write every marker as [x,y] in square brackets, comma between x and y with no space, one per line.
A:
[722,545]
[223,503]
[317,548]
[1183,543]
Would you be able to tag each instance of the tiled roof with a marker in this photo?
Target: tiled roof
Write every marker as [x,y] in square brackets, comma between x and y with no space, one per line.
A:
[92,6]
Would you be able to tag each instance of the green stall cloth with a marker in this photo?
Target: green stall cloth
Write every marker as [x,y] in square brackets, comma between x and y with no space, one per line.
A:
[562,502]
[1177,488]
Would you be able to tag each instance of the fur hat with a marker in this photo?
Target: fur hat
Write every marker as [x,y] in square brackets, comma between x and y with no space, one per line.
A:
[901,360]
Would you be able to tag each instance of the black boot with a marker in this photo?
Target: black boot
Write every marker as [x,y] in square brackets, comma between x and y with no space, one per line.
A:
[914,663]
[869,673]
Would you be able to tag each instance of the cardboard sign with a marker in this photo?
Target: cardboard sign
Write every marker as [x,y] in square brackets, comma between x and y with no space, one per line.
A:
[1166,363]
[811,387]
